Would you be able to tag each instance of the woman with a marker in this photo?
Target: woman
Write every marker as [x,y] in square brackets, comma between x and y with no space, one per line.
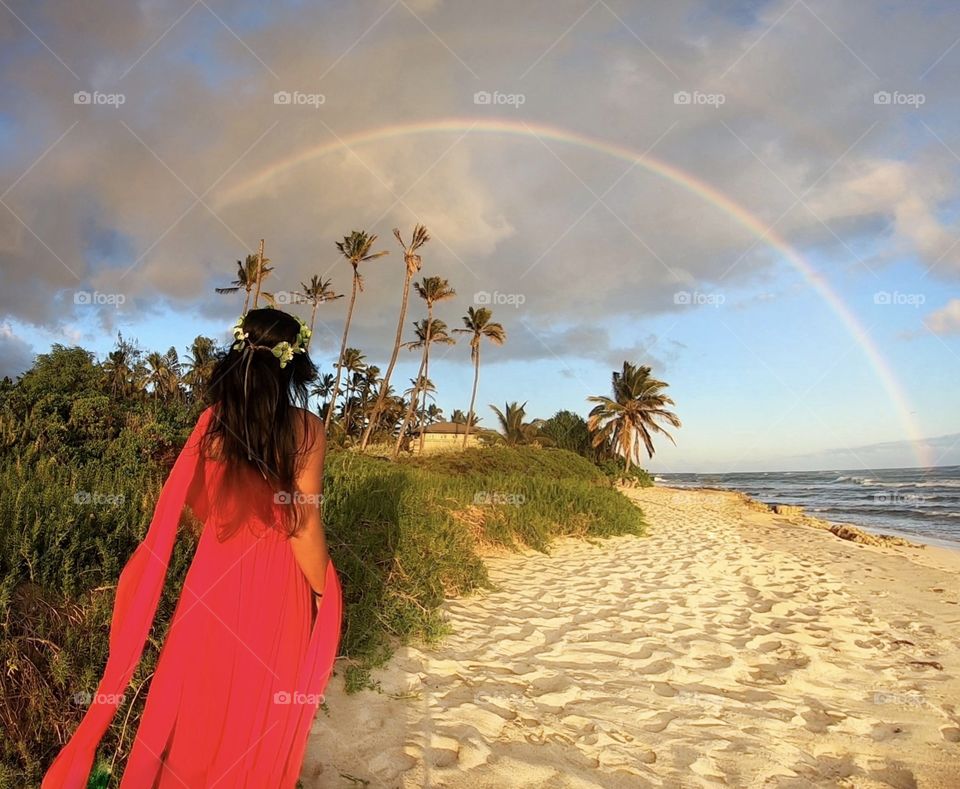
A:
[252,641]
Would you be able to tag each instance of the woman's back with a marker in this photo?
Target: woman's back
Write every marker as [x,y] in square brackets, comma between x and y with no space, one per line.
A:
[244,662]
[249,650]
[227,498]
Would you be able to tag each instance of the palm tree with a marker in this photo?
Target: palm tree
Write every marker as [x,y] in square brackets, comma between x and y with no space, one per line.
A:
[246,276]
[318,292]
[322,389]
[247,279]
[118,372]
[201,359]
[369,387]
[432,290]
[127,375]
[428,332]
[436,334]
[164,374]
[514,430]
[412,262]
[460,418]
[356,249]
[428,390]
[477,323]
[632,414]
[392,411]
[355,365]
[262,270]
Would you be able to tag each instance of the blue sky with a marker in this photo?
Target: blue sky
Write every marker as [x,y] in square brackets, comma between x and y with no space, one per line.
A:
[139,200]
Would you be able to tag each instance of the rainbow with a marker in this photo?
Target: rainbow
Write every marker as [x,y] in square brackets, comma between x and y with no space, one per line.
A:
[256,183]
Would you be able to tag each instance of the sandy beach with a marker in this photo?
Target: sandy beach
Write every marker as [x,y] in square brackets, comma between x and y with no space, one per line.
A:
[728,647]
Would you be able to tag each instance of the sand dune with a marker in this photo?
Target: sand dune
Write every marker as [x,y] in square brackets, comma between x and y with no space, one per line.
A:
[727,648]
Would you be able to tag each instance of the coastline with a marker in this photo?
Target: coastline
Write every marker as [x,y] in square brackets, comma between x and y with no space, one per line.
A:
[728,646]
[787,501]
[797,514]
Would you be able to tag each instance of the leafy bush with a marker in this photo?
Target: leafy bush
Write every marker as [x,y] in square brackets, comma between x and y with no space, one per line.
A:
[615,469]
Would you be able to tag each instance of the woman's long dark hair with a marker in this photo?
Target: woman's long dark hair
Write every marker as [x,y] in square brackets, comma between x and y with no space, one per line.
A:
[254,420]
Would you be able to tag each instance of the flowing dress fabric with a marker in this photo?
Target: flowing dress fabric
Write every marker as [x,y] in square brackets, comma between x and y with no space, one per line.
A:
[246,658]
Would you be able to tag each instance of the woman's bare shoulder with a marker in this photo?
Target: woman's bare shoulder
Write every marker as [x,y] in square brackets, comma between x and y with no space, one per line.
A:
[310,428]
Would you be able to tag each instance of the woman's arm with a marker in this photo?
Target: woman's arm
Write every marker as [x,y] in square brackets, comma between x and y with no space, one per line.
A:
[310,544]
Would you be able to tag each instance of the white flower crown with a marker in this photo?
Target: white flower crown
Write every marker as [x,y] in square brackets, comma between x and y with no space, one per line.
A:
[284,351]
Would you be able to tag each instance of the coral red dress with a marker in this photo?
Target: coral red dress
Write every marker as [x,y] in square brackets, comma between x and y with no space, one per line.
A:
[246,658]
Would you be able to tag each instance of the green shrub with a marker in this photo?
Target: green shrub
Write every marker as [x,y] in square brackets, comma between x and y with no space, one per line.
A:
[616,471]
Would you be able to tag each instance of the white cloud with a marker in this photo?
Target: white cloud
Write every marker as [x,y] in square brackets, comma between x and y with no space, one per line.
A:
[946,320]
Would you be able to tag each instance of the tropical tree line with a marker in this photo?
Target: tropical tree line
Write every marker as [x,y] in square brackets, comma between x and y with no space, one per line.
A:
[357,399]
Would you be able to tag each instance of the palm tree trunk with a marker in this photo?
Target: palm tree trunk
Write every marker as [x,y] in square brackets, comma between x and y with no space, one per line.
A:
[382,396]
[246,301]
[423,403]
[347,403]
[313,319]
[426,372]
[256,296]
[410,408]
[473,397]
[343,350]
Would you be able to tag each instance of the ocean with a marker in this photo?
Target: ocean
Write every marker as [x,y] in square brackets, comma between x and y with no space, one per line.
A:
[918,503]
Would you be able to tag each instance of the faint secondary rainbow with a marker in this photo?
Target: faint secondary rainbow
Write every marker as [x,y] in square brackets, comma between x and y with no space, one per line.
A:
[255,184]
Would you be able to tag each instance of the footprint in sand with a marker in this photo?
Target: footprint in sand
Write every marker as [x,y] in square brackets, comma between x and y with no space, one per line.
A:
[656,667]
[658,723]
[769,646]
[819,719]
[715,662]
[664,689]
